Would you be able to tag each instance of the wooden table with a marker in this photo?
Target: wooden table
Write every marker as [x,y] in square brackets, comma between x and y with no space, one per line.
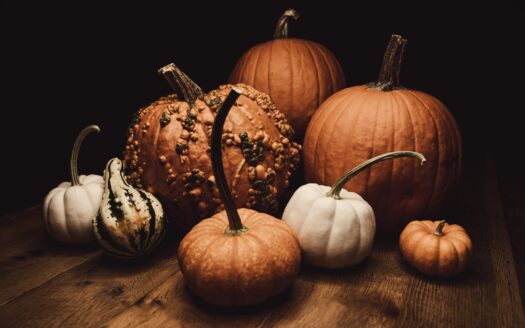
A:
[44,283]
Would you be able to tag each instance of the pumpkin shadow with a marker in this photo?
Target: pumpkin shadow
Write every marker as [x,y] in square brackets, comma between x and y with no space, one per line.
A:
[312,273]
[165,251]
[473,275]
[270,304]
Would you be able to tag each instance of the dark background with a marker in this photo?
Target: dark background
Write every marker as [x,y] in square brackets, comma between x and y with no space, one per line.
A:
[66,65]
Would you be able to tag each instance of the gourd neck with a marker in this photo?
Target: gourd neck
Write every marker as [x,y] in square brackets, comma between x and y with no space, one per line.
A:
[184,87]
[73,163]
[235,226]
[335,191]
[389,75]
[281,29]
[439,228]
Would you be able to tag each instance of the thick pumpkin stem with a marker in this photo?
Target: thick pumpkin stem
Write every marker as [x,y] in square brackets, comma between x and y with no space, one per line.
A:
[235,223]
[281,30]
[338,186]
[389,75]
[76,148]
[439,229]
[183,86]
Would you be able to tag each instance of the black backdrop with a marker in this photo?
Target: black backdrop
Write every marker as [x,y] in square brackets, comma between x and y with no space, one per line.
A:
[67,65]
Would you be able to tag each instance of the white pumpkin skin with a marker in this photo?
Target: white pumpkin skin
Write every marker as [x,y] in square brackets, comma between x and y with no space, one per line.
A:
[69,210]
[333,233]
[130,222]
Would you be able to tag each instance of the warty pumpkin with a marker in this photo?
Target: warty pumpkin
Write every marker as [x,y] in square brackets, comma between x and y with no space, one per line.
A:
[168,150]
[70,208]
[237,257]
[335,227]
[298,74]
[359,122]
[436,248]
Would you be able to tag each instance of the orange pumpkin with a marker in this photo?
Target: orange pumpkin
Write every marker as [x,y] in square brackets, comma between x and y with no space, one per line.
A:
[168,151]
[436,248]
[363,121]
[237,257]
[298,74]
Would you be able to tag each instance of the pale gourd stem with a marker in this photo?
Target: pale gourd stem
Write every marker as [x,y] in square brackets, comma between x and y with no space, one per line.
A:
[235,223]
[184,87]
[389,75]
[74,153]
[336,188]
[281,30]
[439,229]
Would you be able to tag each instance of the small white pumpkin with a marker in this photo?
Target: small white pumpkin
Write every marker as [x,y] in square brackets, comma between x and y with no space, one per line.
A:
[335,227]
[69,208]
[130,222]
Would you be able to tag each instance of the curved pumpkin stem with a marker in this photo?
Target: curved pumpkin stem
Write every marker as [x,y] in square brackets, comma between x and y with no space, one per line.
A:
[338,186]
[281,30]
[235,223]
[73,164]
[389,75]
[439,228]
[183,86]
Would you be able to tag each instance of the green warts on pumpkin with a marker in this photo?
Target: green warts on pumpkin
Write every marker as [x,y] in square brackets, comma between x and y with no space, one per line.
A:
[235,225]
[281,30]
[389,75]
[338,186]
[76,148]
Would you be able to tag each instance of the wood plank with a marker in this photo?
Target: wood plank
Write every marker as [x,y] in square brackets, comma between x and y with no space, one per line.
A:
[383,291]
[512,179]
[91,293]
[28,256]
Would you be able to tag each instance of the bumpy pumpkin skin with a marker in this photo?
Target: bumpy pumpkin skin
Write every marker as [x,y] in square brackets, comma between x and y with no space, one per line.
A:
[244,269]
[168,153]
[298,74]
[360,122]
[444,256]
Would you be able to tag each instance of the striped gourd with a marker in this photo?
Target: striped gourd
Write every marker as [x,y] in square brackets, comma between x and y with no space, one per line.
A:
[130,222]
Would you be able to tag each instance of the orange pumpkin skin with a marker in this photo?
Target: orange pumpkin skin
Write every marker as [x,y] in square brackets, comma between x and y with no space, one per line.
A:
[298,74]
[239,270]
[444,256]
[167,153]
[360,122]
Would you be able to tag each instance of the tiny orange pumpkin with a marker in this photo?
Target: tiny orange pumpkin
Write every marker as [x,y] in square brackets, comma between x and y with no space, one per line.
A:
[436,248]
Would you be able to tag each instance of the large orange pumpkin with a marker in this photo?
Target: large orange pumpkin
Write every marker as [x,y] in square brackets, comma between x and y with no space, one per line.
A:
[168,150]
[363,121]
[298,74]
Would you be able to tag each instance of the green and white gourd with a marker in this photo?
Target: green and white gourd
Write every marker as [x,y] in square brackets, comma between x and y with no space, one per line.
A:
[130,222]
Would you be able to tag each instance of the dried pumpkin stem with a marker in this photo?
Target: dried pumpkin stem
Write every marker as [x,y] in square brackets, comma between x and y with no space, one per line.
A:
[338,186]
[183,86]
[439,229]
[235,223]
[74,153]
[389,75]
[281,30]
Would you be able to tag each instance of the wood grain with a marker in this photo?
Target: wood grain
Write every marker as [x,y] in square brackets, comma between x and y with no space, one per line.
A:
[383,291]
[512,179]
[29,258]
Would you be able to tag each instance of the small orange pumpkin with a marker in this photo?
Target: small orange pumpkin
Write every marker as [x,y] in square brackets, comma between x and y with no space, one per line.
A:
[237,257]
[436,248]
[298,74]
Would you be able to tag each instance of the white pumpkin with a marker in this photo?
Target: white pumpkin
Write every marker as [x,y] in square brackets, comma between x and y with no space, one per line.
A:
[335,227]
[70,208]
